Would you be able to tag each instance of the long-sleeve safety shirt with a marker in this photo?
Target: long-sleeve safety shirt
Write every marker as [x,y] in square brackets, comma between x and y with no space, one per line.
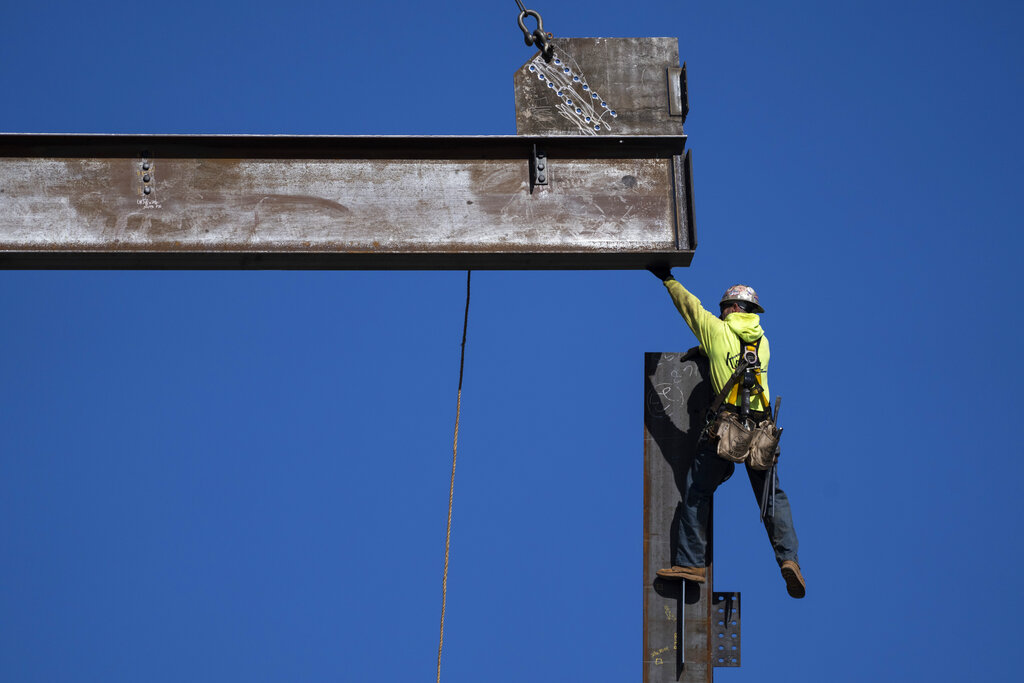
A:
[720,339]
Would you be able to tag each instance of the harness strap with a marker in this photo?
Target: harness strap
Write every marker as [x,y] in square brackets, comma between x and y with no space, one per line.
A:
[741,367]
[731,391]
[751,377]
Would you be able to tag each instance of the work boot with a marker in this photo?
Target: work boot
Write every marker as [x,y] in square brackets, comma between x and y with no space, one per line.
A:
[794,579]
[676,573]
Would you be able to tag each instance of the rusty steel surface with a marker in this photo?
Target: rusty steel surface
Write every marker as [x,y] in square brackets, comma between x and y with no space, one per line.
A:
[602,87]
[682,174]
[678,93]
[424,202]
[677,615]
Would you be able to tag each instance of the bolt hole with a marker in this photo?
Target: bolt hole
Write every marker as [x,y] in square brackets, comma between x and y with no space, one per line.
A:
[612,112]
[533,68]
[604,104]
[597,127]
[576,78]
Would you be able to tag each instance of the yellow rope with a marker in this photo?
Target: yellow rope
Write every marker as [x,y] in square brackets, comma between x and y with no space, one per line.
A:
[451,489]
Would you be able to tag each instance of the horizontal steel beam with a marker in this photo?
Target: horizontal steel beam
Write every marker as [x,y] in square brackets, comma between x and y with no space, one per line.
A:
[326,202]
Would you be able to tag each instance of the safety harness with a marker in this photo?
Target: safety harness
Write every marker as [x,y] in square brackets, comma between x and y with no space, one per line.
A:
[740,437]
[744,382]
[750,384]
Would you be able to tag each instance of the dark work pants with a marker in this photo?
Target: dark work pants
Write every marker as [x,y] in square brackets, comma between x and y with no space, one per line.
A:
[706,473]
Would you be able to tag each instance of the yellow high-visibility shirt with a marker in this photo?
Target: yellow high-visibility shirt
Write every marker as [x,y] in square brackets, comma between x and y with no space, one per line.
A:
[721,339]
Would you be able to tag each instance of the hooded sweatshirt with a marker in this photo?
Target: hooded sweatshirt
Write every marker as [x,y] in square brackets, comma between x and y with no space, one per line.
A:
[720,339]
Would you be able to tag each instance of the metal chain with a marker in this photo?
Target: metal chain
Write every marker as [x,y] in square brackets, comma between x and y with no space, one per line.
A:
[538,36]
[451,488]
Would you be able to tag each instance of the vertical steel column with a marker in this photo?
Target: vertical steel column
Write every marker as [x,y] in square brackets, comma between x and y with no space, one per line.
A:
[677,615]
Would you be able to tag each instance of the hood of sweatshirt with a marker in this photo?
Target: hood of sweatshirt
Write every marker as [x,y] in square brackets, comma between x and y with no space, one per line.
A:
[747,326]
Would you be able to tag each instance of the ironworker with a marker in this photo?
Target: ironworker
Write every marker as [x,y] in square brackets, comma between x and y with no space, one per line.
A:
[723,339]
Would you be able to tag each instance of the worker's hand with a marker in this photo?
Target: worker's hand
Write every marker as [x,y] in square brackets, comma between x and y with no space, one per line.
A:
[661,271]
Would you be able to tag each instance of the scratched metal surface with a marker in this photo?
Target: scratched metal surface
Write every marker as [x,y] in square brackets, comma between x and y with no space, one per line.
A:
[599,87]
[82,201]
[677,628]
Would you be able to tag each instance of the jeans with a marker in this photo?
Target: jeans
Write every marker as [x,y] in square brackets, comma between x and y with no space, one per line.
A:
[706,473]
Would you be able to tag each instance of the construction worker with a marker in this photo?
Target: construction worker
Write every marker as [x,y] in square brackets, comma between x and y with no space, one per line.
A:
[722,338]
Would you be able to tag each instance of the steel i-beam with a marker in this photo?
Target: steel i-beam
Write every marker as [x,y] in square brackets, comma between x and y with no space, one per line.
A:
[596,178]
[94,201]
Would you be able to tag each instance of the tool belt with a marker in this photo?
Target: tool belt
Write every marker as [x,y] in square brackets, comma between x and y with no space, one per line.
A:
[736,442]
[741,434]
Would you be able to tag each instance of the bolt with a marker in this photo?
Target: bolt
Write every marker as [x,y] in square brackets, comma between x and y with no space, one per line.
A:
[542,178]
[145,166]
[540,166]
[147,189]
[145,178]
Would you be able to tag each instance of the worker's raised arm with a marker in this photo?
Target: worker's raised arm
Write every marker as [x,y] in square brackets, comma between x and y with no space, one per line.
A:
[700,321]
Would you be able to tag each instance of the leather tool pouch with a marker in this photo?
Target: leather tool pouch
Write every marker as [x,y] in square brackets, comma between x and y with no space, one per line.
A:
[737,443]
[763,443]
[733,438]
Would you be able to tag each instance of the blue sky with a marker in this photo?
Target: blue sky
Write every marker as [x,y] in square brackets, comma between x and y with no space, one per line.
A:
[243,475]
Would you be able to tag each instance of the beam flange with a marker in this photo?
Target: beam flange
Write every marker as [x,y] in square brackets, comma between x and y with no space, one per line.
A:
[345,202]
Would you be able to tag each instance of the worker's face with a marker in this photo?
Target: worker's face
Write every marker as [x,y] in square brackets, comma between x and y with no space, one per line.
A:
[731,308]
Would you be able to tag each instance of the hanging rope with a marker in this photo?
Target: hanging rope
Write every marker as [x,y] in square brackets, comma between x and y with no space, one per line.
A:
[451,489]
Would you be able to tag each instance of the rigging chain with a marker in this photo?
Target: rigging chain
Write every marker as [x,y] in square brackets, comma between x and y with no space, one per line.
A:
[451,489]
[538,37]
